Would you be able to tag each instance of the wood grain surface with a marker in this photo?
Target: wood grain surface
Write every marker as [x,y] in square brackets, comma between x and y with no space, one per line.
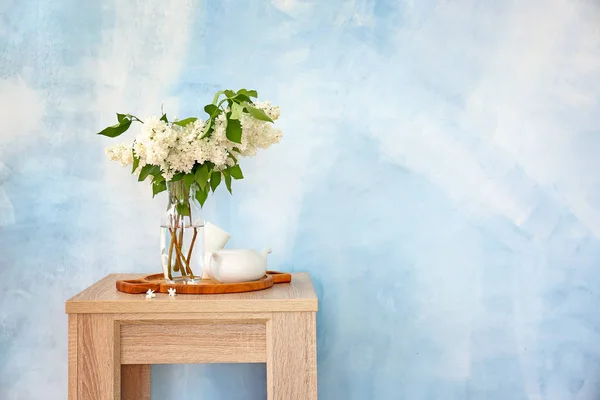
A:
[98,364]
[193,342]
[292,356]
[72,354]
[236,317]
[135,382]
[103,297]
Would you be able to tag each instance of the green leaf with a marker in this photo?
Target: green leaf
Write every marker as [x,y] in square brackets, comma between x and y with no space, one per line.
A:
[201,196]
[188,179]
[177,177]
[117,129]
[249,93]
[212,110]
[202,174]
[136,162]
[232,96]
[234,130]
[242,99]
[235,172]
[164,118]
[158,187]
[186,121]
[149,169]
[257,113]
[215,180]
[227,180]
[208,130]
[232,157]
[217,95]
[182,209]
[236,111]
[122,117]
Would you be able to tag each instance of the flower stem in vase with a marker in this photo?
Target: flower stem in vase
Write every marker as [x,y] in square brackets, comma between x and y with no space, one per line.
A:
[169,265]
[188,261]
[175,246]
[182,263]
[170,259]
[189,257]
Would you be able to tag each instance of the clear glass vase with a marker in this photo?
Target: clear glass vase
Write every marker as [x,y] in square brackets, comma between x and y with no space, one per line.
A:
[182,235]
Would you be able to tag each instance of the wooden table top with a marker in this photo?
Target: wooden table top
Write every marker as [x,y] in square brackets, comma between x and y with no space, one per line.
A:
[103,297]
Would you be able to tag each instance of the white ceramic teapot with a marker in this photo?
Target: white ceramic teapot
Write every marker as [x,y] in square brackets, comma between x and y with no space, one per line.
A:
[236,265]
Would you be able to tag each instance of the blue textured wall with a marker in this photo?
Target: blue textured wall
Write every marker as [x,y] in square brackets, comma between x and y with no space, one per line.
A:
[439,178]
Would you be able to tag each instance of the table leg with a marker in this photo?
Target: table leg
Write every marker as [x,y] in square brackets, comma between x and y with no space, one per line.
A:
[135,382]
[72,390]
[292,356]
[98,357]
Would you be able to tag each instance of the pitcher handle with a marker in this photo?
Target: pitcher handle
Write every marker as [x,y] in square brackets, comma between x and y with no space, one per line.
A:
[208,265]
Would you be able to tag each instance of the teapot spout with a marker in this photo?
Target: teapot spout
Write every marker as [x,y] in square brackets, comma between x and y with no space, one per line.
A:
[266,252]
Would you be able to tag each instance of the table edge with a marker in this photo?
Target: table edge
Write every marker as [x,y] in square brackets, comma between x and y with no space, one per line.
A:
[207,306]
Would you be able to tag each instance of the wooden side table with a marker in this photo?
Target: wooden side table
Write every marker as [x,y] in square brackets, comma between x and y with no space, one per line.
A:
[114,337]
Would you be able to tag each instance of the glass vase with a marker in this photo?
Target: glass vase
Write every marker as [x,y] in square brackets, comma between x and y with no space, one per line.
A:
[182,235]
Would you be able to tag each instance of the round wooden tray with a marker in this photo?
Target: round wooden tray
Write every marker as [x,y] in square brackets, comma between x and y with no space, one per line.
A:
[157,283]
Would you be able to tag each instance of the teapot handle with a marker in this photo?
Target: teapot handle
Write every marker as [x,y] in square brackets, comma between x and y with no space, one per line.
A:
[208,265]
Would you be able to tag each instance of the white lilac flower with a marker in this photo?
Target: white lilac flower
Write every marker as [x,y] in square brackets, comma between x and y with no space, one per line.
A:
[121,153]
[172,292]
[150,294]
[269,109]
[177,149]
[256,135]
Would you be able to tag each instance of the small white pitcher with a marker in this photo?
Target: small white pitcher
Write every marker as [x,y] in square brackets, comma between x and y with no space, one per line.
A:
[215,239]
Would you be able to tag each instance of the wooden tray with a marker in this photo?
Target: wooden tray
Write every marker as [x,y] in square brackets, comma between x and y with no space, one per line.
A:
[157,283]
